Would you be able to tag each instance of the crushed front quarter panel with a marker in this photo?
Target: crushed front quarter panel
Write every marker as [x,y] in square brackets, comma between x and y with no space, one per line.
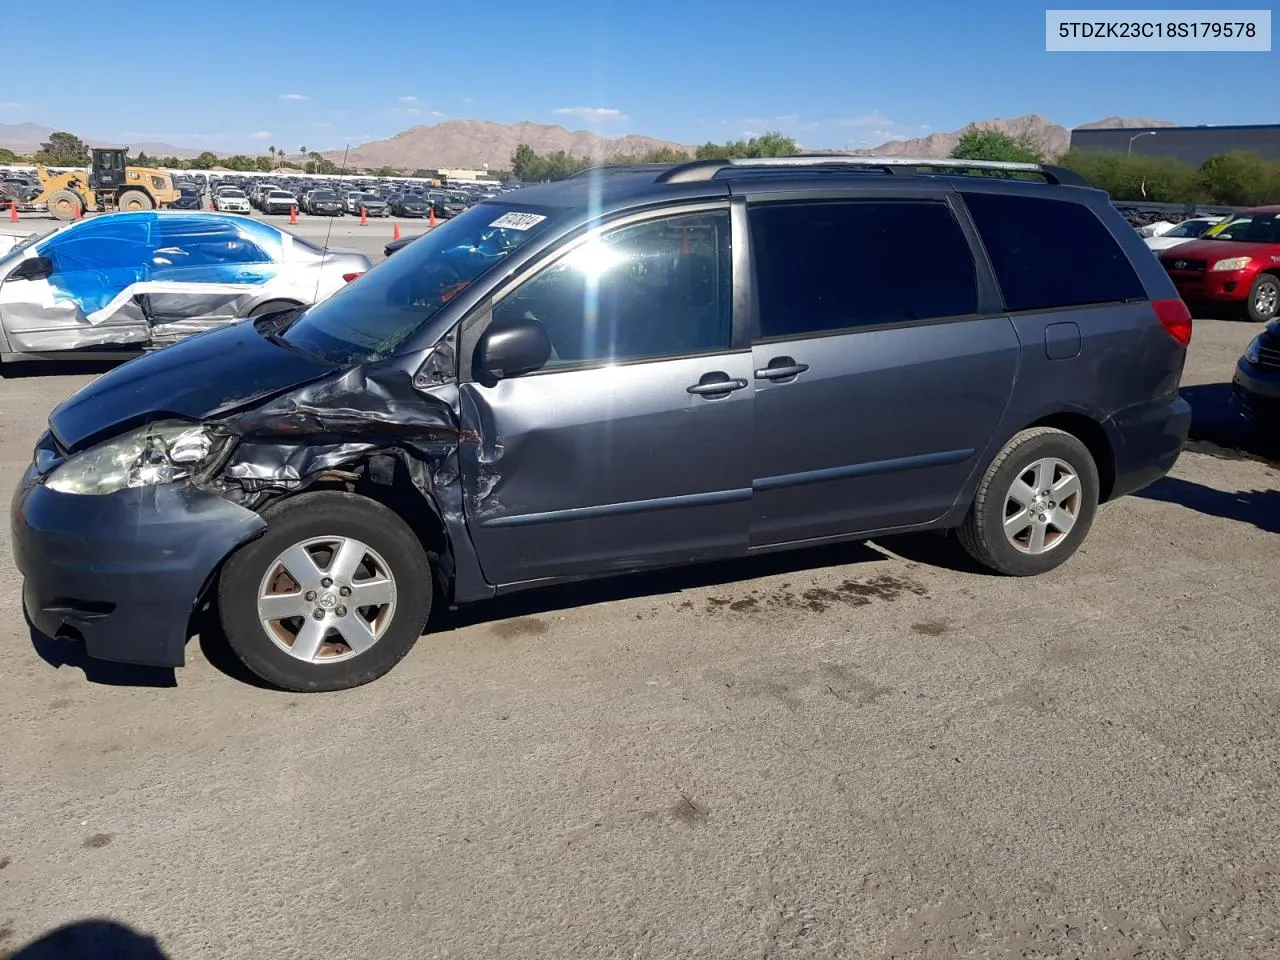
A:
[366,411]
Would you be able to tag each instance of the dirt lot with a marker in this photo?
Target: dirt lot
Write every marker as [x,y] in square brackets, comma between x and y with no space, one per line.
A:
[871,751]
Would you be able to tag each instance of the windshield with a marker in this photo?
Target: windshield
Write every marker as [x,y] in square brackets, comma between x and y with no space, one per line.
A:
[370,318]
[234,194]
[323,195]
[1254,228]
[1191,228]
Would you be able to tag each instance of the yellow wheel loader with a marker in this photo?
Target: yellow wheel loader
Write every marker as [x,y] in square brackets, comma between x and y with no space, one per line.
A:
[109,185]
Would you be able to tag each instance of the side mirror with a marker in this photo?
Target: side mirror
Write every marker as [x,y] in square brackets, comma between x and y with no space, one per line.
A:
[33,268]
[510,349]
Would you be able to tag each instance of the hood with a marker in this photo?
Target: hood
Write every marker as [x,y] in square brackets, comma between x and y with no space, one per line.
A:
[204,376]
[1211,250]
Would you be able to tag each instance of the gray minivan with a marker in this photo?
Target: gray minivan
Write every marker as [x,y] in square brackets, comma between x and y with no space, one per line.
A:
[633,368]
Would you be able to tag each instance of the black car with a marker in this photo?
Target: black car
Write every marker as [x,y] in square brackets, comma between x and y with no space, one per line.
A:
[1255,388]
[189,198]
[661,366]
[400,244]
[408,205]
[324,203]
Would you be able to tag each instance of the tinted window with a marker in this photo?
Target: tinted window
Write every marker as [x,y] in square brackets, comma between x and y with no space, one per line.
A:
[654,289]
[1252,228]
[832,266]
[1051,253]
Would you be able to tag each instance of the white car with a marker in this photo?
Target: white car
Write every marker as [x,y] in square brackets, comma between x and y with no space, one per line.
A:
[142,280]
[231,200]
[1192,229]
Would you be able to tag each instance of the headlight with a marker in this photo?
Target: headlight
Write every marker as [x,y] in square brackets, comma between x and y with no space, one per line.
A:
[159,453]
[1233,263]
[1253,351]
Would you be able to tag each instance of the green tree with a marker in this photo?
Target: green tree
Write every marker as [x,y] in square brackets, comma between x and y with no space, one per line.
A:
[975,144]
[8,156]
[1239,179]
[385,171]
[424,174]
[262,163]
[63,150]
[143,159]
[205,161]
[1127,176]
[525,163]
[771,144]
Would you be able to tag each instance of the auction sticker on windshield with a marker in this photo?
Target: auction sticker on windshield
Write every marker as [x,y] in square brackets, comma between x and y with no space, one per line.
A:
[518,221]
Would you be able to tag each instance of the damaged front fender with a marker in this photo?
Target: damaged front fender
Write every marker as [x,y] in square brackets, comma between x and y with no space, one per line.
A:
[375,429]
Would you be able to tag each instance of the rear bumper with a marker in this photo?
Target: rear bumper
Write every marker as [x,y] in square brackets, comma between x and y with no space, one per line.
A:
[122,572]
[1148,440]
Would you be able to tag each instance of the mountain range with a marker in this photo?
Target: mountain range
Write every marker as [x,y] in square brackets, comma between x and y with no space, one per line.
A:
[480,143]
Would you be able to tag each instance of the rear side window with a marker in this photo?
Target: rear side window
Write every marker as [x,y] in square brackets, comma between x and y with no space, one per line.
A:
[1051,253]
[824,267]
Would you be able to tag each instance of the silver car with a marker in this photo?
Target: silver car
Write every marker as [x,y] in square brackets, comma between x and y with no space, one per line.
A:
[141,280]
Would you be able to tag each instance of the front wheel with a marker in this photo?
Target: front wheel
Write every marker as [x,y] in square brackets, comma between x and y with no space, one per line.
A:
[64,205]
[332,596]
[1034,505]
[134,200]
[1264,298]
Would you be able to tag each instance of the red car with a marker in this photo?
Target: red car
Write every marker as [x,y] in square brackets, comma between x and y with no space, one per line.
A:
[1239,265]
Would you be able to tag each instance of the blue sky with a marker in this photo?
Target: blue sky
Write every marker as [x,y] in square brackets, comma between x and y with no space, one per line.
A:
[831,74]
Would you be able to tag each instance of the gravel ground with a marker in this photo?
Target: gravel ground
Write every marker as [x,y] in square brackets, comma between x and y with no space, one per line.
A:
[865,751]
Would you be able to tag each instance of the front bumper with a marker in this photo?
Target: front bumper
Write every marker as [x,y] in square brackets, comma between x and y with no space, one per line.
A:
[1255,394]
[1228,286]
[1148,441]
[123,572]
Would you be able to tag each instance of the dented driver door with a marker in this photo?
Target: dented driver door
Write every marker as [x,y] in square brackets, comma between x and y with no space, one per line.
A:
[90,298]
[628,448]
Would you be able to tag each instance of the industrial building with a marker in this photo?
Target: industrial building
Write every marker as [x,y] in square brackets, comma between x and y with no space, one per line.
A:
[1191,144]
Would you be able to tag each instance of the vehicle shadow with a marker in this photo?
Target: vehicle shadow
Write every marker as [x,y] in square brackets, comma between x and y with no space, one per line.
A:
[62,368]
[1218,431]
[59,652]
[655,583]
[90,940]
[1261,508]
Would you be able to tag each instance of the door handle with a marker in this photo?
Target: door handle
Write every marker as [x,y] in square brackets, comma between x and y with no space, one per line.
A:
[716,384]
[781,368]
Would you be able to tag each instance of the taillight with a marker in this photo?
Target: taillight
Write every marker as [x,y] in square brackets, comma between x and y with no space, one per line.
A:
[1175,318]
[348,277]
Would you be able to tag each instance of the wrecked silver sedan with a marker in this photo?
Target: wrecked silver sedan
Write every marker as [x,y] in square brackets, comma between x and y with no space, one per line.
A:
[142,280]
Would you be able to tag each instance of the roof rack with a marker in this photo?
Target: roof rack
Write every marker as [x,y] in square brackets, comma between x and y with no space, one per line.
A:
[600,168]
[702,170]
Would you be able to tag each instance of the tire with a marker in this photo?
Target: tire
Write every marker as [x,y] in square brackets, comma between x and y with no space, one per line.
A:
[134,200]
[63,204]
[272,306]
[1024,457]
[1263,304]
[385,545]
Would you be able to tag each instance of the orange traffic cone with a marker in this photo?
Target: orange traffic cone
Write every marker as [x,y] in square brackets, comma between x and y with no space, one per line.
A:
[432,222]
[13,211]
[395,231]
[211,205]
[293,214]
[364,217]
[79,212]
